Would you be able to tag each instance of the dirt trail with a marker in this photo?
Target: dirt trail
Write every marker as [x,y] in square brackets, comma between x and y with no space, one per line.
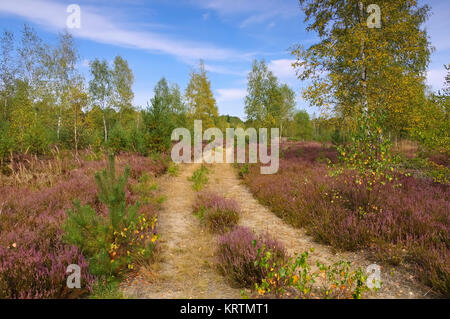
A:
[185,263]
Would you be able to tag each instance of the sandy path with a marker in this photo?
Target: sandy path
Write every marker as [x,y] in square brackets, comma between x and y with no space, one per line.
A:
[185,265]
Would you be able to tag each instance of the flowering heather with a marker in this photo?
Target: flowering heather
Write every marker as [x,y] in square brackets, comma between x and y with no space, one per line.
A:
[409,224]
[237,252]
[219,213]
[33,258]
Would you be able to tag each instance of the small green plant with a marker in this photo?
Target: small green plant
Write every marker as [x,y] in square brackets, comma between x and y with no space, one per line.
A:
[294,278]
[173,169]
[112,243]
[243,170]
[439,173]
[106,288]
[199,178]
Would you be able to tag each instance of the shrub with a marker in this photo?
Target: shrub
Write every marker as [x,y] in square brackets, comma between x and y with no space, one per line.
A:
[111,242]
[237,252]
[294,278]
[199,177]
[218,213]
[119,139]
[6,142]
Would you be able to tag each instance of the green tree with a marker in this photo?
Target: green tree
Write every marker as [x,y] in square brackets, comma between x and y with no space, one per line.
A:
[200,99]
[100,89]
[303,126]
[356,70]
[78,99]
[7,72]
[122,83]
[431,125]
[61,66]
[158,119]
[261,82]
[268,103]
[286,107]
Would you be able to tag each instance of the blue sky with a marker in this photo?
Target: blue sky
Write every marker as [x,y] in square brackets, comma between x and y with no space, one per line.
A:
[168,37]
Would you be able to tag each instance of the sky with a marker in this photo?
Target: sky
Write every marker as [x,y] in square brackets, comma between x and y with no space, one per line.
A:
[169,37]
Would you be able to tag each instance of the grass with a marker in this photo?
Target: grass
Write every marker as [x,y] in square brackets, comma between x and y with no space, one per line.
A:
[199,178]
[107,289]
[173,169]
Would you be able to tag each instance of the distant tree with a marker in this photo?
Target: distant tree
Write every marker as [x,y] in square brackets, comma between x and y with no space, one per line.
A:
[261,82]
[122,83]
[63,75]
[431,126]
[200,99]
[303,126]
[178,108]
[158,118]
[31,54]
[267,103]
[287,106]
[7,72]
[78,99]
[100,89]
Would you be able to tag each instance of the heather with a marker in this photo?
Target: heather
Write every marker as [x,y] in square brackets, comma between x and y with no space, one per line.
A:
[262,264]
[218,213]
[237,252]
[404,222]
[33,256]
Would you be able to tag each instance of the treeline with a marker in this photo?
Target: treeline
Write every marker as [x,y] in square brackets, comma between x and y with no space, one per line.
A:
[45,102]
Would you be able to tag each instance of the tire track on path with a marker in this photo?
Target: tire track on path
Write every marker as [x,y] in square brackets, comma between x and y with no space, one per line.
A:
[185,262]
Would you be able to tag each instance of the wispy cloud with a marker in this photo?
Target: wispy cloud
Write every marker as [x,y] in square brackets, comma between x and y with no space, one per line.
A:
[283,69]
[255,11]
[96,27]
[436,78]
[225,70]
[227,95]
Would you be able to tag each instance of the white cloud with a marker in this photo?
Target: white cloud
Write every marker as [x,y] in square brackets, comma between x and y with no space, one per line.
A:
[224,70]
[436,78]
[226,95]
[96,27]
[256,11]
[283,69]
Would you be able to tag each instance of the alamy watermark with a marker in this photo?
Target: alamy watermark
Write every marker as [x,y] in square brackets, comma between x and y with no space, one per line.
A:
[374,19]
[74,279]
[257,146]
[73,20]
[374,276]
